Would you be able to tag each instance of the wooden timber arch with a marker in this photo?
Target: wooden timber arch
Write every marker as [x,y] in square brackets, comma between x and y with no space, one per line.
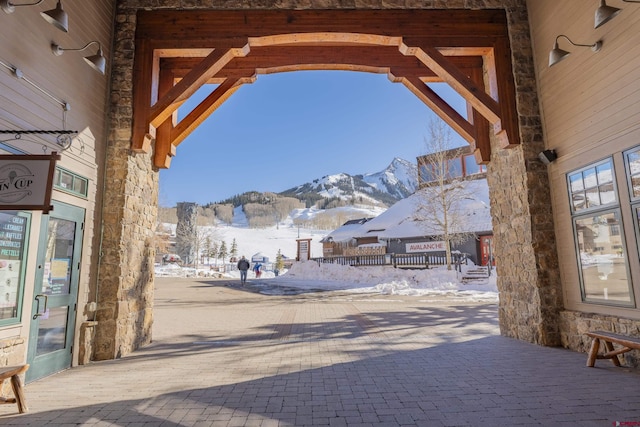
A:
[177,52]
[164,51]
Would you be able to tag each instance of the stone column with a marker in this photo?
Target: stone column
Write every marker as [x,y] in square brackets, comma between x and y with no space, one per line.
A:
[125,283]
[527,262]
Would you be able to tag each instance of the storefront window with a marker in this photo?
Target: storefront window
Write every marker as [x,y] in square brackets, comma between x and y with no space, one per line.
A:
[14,227]
[603,264]
[599,235]
[592,187]
[632,158]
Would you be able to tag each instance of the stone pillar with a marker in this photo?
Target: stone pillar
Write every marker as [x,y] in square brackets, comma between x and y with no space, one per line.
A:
[527,263]
[187,232]
[125,282]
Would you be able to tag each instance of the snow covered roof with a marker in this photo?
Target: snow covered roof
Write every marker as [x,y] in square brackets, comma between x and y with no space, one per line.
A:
[345,232]
[399,220]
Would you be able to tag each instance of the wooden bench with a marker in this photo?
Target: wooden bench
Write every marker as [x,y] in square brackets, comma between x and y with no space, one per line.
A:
[609,338]
[14,373]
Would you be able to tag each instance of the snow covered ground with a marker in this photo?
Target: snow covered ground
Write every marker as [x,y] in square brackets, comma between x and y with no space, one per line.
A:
[311,276]
[381,280]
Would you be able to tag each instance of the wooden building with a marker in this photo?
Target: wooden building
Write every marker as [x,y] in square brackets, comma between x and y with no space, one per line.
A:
[566,231]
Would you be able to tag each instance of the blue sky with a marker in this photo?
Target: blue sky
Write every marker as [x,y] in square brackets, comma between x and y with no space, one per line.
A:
[289,128]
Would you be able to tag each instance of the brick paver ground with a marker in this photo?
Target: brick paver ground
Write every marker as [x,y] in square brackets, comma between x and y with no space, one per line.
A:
[227,356]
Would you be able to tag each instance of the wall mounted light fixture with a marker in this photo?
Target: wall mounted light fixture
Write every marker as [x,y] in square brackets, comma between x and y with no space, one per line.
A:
[56,17]
[97,61]
[547,156]
[605,13]
[556,55]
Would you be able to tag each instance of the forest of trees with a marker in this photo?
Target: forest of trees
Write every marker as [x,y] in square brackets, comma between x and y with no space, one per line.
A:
[261,209]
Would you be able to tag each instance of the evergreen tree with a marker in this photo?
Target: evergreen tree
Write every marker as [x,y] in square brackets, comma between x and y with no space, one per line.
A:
[214,251]
[222,253]
[279,261]
[234,249]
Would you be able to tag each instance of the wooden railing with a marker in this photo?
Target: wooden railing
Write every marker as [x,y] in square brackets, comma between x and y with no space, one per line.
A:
[396,260]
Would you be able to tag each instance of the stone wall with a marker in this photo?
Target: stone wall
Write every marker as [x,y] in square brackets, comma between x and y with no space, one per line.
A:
[575,324]
[12,351]
[125,288]
[524,241]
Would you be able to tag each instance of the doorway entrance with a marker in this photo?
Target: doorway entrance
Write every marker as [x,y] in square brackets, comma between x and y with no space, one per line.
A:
[56,291]
[486,251]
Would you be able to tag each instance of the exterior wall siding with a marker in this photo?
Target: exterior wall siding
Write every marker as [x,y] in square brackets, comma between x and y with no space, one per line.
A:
[27,47]
[590,106]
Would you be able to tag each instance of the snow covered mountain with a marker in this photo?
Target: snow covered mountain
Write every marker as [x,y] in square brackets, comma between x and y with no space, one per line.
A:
[400,178]
[397,181]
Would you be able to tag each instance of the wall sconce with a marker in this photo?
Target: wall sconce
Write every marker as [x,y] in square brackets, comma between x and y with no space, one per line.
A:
[547,156]
[605,13]
[57,17]
[97,61]
[556,55]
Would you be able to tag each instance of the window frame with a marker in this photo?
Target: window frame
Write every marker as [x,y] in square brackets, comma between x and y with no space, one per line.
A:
[57,178]
[581,170]
[590,212]
[16,320]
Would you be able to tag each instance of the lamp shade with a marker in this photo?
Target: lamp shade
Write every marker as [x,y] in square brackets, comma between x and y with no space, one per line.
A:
[57,17]
[556,54]
[97,61]
[604,14]
[7,6]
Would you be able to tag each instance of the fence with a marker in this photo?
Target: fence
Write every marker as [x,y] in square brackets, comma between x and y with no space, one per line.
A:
[396,260]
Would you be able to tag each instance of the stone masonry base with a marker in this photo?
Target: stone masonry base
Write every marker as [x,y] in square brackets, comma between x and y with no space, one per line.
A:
[574,325]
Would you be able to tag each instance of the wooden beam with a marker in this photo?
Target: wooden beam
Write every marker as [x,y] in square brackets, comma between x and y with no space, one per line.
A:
[461,83]
[204,109]
[314,57]
[163,147]
[445,27]
[509,125]
[141,139]
[481,126]
[198,76]
[440,107]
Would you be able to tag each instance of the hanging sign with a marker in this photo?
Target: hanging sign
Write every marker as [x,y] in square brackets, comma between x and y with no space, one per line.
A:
[26,181]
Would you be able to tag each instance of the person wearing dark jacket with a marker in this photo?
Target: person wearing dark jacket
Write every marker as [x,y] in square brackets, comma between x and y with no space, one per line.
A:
[243,266]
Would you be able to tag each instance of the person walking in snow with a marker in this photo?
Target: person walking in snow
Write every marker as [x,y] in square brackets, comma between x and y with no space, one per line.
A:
[256,269]
[243,266]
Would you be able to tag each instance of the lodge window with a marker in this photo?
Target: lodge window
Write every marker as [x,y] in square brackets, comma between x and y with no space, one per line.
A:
[70,182]
[14,227]
[471,167]
[632,168]
[598,235]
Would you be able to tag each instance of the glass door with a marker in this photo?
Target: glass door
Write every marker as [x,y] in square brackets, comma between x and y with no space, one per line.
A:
[56,292]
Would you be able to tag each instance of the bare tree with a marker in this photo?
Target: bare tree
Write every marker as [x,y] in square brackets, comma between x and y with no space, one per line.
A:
[161,239]
[203,240]
[441,210]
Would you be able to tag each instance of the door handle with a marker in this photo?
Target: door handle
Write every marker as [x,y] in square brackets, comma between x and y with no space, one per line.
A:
[38,312]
